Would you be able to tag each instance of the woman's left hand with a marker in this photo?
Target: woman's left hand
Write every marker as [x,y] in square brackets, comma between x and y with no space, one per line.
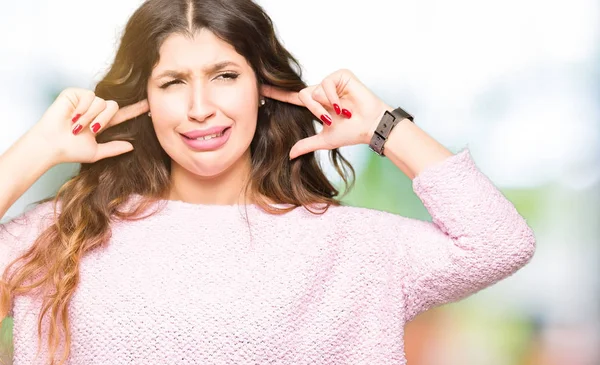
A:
[349,111]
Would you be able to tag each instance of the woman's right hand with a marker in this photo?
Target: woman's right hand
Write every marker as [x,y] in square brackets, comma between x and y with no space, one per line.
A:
[69,126]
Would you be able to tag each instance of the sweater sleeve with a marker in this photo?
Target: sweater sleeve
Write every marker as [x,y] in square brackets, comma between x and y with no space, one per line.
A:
[18,234]
[475,239]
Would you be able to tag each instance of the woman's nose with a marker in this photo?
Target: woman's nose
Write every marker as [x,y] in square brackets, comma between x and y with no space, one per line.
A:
[201,105]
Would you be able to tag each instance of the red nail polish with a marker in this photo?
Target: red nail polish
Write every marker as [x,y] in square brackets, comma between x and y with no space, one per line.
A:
[95,127]
[76,118]
[346,113]
[337,109]
[326,119]
[77,129]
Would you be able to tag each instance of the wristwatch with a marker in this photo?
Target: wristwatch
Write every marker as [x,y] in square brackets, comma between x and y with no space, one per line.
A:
[387,123]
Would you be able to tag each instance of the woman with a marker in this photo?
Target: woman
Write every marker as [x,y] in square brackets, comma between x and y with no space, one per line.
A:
[201,229]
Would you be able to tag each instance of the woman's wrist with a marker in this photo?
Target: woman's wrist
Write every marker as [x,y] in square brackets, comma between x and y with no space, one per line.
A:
[35,148]
[367,135]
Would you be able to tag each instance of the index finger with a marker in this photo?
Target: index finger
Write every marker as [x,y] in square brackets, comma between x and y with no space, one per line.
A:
[130,112]
[286,96]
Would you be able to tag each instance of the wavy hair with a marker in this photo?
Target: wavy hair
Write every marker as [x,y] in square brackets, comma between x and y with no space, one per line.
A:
[91,199]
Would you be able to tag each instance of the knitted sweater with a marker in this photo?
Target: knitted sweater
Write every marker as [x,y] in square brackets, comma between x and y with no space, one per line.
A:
[198,284]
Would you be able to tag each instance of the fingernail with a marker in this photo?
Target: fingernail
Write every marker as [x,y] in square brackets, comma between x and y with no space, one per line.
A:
[76,118]
[77,129]
[326,119]
[95,127]
[346,113]
[337,109]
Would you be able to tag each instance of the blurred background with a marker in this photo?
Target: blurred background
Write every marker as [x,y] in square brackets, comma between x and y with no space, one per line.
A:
[516,82]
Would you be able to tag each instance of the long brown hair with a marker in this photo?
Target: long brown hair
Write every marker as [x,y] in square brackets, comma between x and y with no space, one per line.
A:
[90,200]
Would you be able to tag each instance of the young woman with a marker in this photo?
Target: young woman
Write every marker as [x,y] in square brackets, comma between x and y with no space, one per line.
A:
[201,228]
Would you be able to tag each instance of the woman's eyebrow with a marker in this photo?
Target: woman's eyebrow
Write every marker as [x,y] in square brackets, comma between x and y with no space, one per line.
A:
[207,70]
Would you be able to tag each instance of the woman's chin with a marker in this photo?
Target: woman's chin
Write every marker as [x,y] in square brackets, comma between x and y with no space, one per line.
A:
[208,165]
[207,170]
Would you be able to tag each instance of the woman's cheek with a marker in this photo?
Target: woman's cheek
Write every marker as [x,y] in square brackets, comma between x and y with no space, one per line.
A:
[242,105]
[171,108]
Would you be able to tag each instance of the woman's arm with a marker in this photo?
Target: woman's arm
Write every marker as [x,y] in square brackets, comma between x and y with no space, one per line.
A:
[20,166]
[410,148]
[63,135]
[476,238]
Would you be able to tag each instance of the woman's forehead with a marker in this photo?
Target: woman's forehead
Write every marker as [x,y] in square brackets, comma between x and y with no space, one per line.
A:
[203,52]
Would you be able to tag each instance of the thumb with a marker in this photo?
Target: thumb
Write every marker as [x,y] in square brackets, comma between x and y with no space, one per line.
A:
[307,145]
[111,149]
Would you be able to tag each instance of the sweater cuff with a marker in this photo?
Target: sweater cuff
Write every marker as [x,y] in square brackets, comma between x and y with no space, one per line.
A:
[450,168]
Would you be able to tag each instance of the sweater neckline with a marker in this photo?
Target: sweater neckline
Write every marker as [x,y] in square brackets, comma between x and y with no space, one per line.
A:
[181,203]
[171,203]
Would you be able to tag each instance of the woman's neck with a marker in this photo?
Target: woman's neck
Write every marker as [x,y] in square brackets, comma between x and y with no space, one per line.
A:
[227,188]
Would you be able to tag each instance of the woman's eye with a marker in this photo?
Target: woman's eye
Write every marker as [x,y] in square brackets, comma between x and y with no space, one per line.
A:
[165,85]
[225,77]
[228,76]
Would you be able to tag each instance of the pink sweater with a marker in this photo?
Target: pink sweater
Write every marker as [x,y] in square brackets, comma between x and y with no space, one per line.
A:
[189,286]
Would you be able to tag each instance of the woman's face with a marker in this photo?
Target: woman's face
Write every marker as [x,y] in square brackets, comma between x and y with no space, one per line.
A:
[204,100]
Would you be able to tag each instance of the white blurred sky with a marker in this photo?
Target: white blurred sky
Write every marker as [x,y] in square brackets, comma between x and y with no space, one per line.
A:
[509,79]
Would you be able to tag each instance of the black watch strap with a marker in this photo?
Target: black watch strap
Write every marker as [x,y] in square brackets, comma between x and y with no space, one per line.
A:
[387,123]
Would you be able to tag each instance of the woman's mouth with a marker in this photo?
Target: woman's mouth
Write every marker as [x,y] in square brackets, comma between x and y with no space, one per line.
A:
[207,142]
